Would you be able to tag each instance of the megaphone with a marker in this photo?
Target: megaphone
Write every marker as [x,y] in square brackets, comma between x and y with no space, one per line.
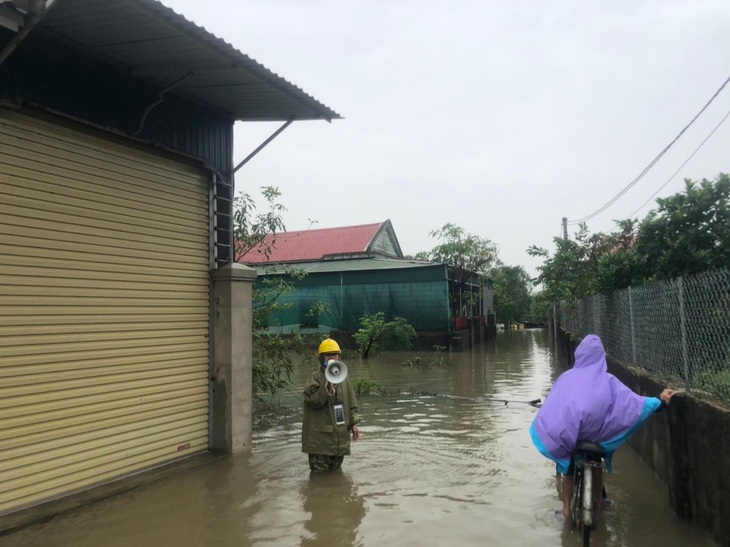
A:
[335,372]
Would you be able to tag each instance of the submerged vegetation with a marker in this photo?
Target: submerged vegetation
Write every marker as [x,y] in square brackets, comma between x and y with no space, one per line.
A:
[435,361]
[376,334]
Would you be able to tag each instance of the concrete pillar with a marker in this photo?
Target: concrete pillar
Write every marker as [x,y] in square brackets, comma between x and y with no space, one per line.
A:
[231,400]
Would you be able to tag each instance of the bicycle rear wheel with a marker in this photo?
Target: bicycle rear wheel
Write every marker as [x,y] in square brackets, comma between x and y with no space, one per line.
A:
[576,501]
[587,497]
[586,509]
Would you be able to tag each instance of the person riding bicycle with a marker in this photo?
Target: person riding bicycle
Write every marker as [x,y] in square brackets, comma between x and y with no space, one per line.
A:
[587,403]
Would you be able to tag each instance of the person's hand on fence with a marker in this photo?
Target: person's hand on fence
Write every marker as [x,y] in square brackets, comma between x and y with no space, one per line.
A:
[667,395]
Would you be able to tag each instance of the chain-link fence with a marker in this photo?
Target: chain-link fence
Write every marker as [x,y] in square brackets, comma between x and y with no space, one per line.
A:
[677,329]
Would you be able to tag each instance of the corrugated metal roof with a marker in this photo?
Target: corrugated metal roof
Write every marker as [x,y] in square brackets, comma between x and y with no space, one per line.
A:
[305,245]
[347,265]
[156,45]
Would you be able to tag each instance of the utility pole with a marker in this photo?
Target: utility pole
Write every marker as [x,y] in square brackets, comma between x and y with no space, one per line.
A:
[565,227]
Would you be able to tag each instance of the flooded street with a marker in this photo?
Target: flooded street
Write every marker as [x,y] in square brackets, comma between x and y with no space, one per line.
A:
[454,467]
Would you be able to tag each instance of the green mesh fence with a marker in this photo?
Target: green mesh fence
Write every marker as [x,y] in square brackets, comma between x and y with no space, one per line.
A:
[423,303]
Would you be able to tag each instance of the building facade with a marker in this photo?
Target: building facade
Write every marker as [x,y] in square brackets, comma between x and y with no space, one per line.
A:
[124,327]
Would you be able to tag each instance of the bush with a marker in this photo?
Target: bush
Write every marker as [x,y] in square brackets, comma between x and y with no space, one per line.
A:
[375,335]
[366,387]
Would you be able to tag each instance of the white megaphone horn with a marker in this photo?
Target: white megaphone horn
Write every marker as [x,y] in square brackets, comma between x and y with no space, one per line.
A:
[335,372]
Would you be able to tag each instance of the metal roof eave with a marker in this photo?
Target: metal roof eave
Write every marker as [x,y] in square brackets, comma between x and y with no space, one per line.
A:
[344,265]
[154,44]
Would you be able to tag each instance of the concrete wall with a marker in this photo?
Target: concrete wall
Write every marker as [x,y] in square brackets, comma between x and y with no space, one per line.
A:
[231,412]
[687,446]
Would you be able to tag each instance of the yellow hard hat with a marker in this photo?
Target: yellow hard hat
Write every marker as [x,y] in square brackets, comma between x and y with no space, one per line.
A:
[328,346]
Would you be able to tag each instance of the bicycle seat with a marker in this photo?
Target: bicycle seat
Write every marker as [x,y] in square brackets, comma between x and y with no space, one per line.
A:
[590,447]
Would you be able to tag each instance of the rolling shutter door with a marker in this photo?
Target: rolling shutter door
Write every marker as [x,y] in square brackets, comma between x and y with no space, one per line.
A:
[104,280]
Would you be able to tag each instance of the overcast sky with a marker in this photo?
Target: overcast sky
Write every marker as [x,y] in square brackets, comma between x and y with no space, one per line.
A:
[499,116]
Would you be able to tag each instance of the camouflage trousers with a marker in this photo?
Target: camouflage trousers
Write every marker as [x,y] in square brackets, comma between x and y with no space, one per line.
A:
[321,463]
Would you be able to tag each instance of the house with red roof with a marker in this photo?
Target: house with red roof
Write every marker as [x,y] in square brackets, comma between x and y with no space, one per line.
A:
[326,244]
[353,271]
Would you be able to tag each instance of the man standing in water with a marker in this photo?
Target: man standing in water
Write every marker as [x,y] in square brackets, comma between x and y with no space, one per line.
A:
[330,415]
[587,403]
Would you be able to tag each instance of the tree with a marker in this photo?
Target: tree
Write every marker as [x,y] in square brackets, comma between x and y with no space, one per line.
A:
[512,298]
[539,304]
[618,265]
[250,227]
[376,335]
[689,232]
[571,270]
[470,257]
[464,251]
[273,354]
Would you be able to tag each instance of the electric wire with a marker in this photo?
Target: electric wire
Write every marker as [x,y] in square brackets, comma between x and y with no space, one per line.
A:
[653,162]
[683,164]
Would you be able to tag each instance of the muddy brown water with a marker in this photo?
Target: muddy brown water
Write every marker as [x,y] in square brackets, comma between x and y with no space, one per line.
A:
[446,469]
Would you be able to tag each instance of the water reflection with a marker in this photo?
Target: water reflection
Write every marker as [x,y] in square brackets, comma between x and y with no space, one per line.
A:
[335,508]
[454,468]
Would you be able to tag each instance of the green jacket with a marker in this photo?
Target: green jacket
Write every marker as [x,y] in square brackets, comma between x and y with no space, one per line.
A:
[320,434]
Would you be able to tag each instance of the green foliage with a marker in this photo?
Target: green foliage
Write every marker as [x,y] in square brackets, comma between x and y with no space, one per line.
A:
[275,356]
[539,304]
[250,227]
[272,362]
[366,387]
[473,257]
[570,271]
[688,233]
[267,299]
[438,358]
[436,361]
[469,256]
[376,335]
[464,251]
[617,265]
[512,299]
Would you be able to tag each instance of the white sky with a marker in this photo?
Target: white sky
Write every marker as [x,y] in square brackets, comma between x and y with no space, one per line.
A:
[499,116]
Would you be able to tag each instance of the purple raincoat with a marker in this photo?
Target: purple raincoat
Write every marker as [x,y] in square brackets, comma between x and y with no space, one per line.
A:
[587,403]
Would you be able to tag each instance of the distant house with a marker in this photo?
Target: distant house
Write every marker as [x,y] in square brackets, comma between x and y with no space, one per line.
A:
[327,243]
[354,271]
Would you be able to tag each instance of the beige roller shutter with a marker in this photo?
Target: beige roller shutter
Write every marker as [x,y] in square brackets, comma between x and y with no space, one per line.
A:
[104,262]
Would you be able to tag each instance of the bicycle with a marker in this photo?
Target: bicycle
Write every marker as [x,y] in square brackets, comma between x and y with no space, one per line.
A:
[584,501]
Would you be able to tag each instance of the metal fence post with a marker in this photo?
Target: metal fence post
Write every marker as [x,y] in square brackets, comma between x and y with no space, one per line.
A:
[631,322]
[555,328]
[683,329]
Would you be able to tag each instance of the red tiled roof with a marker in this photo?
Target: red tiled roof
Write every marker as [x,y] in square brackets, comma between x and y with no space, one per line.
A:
[314,244]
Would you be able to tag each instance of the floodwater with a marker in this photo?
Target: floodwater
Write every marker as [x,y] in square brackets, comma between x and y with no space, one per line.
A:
[451,467]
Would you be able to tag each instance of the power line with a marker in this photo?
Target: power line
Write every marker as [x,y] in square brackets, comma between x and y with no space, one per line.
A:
[685,163]
[653,162]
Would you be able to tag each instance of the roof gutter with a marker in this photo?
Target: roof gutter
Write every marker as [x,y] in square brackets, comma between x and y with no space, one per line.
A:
[36,9]
[263,144]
